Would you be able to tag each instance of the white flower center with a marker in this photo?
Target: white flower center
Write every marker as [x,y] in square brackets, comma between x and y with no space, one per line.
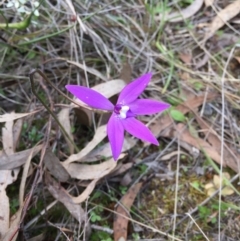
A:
[123,111]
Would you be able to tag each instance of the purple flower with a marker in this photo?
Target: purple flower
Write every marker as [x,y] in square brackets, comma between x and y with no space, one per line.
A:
[124,112]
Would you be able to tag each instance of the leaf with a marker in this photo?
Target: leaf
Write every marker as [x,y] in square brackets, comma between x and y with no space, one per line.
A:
[126,73]
[209,2]
[185,57]
[217,182]
[24,178]
[120,224]
[19,25]
[120,169]
[59,193]
[83,115]
[86,193]
[177,115]
[13,116]
[183,14]
[9,162]
[12,232]
[196,185]
[39,237]
[17,128]
[222,17]
[184,136]
[230,156]
[190,104]
[55,167]
[7,136]
[90,172]
[213,187]
[4,213]
[63,117]
[98,137]
[110,88]
[7,177]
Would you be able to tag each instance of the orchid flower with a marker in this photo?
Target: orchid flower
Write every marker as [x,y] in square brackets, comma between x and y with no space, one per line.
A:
[124,112]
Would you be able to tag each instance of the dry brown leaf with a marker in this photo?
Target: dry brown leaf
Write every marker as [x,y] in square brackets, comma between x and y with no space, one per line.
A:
[86,193]
[98,137]
[39,237]
[200,63]
[120,224]
[4,213]
[9,162]
[209,2]
[120,169]
[59,193]
[126,179]
[110,88]
[230,156]
[222,17]
[185,57]
[90,172]
[184,135]
[12,232]
[83,115]
[237,58]
[6,178]
[212,187]
[7,136]
[63,117]
[55,167]
[126,73]
[17,128]
[24,179]
[190,104]
[13,116]
[183,14]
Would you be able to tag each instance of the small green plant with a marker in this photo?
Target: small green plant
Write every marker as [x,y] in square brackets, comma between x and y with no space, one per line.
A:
[123,189]
[14,204]
[136,236]
[142,168]
[95,217]
[204,212]
[100,236]
[160,7]
[177,115]
[24,6]
[32,134]
[96,214]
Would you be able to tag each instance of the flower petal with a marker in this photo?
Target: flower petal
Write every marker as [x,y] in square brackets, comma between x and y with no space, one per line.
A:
[139,130]
[147,106]
[115,133]
[90,97]
[134,89]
